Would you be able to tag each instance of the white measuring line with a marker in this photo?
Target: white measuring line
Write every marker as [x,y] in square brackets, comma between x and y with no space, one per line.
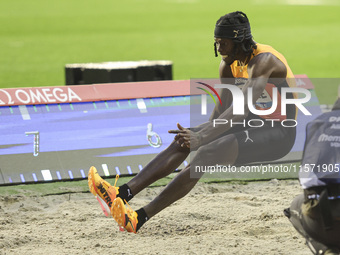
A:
[141,105]
[24,112]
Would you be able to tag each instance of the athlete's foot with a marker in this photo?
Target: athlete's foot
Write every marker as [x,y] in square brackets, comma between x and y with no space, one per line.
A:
[104,192]
[125,216]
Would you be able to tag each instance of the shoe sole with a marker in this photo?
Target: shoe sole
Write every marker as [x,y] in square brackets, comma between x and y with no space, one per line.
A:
[90,180]
[119,212]
[120,215]
[92,186]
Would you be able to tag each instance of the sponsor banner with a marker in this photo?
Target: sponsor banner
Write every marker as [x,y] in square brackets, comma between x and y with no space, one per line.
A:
[102,92]
[95,92]
[148,89]
[45,95]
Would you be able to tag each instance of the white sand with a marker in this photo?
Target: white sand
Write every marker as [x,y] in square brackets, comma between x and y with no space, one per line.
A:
[221,218]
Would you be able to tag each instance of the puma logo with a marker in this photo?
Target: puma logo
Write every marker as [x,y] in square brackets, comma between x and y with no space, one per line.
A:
[129,193]
[105,195]
[248,138]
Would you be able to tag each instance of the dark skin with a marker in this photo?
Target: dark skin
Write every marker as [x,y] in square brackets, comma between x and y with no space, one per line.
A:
[205,138]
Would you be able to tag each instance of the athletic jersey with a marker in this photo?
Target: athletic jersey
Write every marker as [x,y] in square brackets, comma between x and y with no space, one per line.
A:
[265,101]
[321,158]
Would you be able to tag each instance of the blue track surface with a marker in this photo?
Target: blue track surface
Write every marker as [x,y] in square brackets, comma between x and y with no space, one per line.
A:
[61,141]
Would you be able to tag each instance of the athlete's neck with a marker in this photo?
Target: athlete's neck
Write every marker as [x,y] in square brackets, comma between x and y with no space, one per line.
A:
[243,60]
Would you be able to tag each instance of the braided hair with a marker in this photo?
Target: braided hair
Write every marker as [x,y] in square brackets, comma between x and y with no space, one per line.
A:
[235,26]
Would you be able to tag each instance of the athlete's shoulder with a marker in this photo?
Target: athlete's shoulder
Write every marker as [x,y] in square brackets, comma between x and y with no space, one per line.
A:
[262,48]
[266,64]
[272,57]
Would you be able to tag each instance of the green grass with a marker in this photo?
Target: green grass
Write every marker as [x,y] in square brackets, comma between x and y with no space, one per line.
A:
[39,37]
[53,188]
[69,187]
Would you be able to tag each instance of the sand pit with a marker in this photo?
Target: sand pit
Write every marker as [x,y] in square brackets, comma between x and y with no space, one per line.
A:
[215,218]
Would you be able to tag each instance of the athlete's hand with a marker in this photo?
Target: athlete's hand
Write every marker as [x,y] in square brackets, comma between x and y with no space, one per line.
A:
[178,138]
[186,138]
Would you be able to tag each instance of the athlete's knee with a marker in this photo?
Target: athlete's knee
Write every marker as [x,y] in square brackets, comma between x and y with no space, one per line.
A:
[204,155]
[206,152]
[177,147]
[218,152]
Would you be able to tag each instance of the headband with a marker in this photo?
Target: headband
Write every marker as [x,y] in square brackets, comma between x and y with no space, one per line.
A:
[237,32]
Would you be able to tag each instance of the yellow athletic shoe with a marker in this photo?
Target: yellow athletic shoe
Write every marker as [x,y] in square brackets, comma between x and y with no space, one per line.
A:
[125,216]
[104,192]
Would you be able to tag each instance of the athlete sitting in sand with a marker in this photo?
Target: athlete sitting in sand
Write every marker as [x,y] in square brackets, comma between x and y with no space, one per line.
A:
[223,144]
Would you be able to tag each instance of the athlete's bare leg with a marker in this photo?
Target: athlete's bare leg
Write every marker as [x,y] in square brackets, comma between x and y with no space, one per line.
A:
[221,151]
[162,165]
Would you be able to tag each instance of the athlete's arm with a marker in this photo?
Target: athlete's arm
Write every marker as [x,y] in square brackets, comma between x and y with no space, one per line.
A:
[226,98]
[260,69]
[225,74]
[225,95]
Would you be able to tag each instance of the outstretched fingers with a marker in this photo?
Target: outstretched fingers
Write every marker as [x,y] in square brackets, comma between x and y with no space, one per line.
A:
[182,135]
[179,130]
